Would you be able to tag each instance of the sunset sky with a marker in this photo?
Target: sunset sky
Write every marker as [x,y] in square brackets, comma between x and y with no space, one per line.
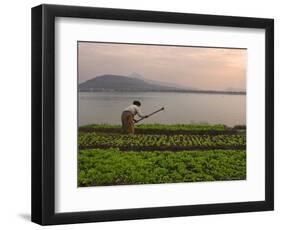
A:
[202,68]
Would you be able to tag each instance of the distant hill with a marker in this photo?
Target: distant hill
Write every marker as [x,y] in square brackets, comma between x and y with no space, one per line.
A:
[231,89]
[110,82]
[162,83]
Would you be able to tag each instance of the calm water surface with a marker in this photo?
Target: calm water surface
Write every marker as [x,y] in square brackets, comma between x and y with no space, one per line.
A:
[106,107]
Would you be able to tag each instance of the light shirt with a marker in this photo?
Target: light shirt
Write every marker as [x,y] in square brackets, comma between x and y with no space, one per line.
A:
[134,109]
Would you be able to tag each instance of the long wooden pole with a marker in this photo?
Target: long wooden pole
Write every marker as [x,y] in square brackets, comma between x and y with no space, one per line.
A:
[136,121]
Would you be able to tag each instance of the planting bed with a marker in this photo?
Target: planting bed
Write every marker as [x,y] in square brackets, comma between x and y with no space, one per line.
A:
[166,129]
[114,167]
[96,140]
[160,154]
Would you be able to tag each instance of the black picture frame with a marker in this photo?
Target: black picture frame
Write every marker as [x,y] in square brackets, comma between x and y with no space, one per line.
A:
[43,114]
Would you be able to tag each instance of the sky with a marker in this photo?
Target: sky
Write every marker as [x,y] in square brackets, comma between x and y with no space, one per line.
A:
[197,67]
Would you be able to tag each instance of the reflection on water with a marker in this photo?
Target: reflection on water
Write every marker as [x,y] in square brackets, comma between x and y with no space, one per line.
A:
[106,107]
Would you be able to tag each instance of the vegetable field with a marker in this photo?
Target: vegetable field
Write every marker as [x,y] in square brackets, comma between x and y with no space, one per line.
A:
[160,154]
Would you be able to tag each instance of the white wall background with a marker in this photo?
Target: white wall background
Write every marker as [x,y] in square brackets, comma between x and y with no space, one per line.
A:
[15,114]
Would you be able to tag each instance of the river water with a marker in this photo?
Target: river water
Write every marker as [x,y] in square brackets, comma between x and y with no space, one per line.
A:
[180,108]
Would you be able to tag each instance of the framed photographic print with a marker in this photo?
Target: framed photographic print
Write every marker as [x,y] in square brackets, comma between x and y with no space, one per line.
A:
[144,114]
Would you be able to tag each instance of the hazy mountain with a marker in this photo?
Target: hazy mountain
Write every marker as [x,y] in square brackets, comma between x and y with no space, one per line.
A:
[231,89]
[162,83]
[110,82]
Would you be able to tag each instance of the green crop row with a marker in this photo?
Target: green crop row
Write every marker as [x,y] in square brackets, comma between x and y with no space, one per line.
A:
[113,167]
[192,127]
[111,140]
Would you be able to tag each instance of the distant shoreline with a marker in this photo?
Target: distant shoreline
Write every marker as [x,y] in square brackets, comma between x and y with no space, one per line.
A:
[168,91]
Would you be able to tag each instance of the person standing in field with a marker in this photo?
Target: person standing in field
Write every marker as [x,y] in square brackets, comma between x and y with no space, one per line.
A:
[128,115]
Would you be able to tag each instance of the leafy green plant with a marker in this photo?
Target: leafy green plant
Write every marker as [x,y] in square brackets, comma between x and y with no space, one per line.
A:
[197,127]
[115,140]
[114,167]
